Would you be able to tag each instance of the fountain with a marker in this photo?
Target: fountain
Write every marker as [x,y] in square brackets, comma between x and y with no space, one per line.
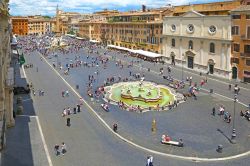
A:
[57,42]
[141,94]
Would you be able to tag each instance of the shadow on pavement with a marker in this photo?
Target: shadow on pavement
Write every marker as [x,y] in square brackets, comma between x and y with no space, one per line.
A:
[19,139]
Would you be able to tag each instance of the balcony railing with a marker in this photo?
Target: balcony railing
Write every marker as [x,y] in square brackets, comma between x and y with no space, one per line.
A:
[245,37]
[245,55]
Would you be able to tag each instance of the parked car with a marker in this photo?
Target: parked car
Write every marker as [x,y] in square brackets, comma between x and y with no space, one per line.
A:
[21,90]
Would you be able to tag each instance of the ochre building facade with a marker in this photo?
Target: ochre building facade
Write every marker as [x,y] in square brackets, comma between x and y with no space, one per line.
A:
[20,25]
[240,60]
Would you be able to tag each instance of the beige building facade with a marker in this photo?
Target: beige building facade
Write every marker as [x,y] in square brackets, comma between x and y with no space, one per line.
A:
[140,30]
[39,26]
[199,42]
[91,29]
[6,74]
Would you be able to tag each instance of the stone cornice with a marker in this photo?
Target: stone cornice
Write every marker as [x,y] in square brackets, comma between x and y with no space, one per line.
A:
[201,38]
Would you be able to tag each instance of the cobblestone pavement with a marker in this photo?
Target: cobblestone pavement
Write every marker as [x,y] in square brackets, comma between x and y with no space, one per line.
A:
[90,143]
[200,131]
[24,145]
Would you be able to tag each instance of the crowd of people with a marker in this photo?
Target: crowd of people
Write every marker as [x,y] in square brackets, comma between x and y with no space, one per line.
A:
[99,62]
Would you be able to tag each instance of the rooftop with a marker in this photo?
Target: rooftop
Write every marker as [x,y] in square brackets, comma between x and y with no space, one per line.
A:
[19,18]
[137,13]
[243,8]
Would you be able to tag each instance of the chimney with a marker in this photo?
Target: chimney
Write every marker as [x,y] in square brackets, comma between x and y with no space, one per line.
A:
[143,8]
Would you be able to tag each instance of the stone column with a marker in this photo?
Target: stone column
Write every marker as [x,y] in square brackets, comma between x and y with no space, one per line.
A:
[165,46]
[202,28]
[201,53]
[228,56]
[9,107]
[180,50]
[180,27]
[222,56]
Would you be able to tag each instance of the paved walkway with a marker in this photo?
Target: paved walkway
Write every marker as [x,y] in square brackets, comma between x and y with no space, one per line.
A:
[197,140]
[24,146]
[89,143]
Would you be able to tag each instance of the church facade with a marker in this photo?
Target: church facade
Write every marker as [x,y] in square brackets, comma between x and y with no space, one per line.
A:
[198,42]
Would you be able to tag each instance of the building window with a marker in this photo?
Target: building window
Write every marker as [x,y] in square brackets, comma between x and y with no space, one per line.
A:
[190,44]
[190,28]
[248,32]
[235,30]
[212,48]
[173,28]
[236,16]
[247,49]
[248,16]
[173,43]
[235,60]
[236,47]
[247,62]
[212,29]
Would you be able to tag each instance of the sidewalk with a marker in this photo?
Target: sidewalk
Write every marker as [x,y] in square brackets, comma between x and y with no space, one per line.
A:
[23,142]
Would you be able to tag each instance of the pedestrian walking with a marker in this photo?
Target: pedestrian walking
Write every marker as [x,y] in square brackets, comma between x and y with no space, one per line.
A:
[149,161]
[213,111]
[78,108]
[63,148]
[56,148]
[68,122]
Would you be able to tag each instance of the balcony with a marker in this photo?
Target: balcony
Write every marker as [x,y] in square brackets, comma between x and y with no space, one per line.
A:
[245,55]
[244,37]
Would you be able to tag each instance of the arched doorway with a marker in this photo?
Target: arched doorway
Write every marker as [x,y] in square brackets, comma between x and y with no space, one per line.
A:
[172,55]
[234,73]
[211,66]
[190,59]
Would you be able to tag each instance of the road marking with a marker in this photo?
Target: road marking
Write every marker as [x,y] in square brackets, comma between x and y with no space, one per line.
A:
[30,116]
[42,136]
[22,73]
[139,146]
[44,143]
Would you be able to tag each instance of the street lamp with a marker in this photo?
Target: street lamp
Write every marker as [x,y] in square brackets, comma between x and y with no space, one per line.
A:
[234,130]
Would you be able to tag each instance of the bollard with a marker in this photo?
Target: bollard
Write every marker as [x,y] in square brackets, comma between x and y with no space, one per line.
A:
[153,125]
[211,90]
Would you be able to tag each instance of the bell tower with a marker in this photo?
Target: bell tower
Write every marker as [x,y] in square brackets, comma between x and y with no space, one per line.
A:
[57,21]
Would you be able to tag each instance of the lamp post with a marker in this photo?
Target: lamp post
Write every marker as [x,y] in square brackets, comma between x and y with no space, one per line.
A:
[234,130]
[56,55]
